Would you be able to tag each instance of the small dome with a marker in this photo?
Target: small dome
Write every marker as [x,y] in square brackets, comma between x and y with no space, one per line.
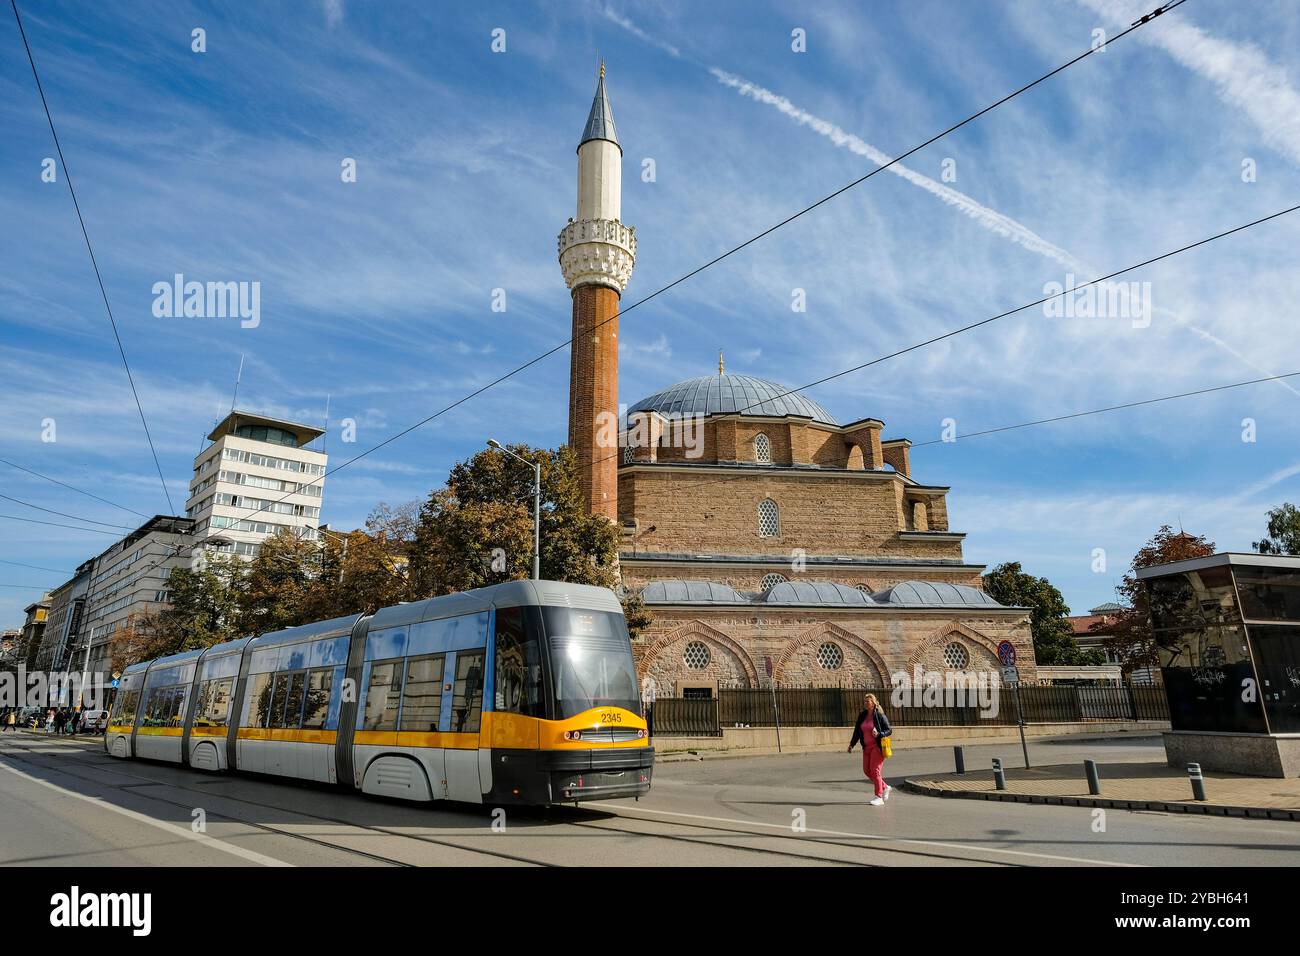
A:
[819,593]
[690,592]
[725,394]
[930,593]
[1110,607]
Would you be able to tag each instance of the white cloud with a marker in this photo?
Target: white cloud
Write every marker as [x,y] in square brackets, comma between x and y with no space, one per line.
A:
[1242,73]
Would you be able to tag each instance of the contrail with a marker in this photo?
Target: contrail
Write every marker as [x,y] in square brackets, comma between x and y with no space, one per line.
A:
[1244,76]
[990,219]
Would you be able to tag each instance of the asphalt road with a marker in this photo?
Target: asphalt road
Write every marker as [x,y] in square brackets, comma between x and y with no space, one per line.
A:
[66,803]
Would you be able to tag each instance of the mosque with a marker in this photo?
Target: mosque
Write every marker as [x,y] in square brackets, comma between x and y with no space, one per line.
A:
[770,541]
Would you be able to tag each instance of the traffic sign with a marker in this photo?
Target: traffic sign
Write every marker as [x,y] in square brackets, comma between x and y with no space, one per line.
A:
[1007,654]
[1011,675]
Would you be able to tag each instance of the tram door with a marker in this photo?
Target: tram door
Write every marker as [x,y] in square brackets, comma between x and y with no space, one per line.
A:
[462,717]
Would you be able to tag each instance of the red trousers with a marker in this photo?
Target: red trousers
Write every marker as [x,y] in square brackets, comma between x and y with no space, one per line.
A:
[873,762]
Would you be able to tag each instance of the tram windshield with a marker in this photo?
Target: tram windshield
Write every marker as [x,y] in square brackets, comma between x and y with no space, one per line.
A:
[591,661]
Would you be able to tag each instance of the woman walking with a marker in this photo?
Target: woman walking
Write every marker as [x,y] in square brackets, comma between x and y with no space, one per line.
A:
[872,727]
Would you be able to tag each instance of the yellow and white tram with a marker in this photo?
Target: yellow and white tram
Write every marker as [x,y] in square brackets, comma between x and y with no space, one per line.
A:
[523,692]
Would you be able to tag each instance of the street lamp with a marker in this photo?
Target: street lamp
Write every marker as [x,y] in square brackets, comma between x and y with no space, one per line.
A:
[537,505]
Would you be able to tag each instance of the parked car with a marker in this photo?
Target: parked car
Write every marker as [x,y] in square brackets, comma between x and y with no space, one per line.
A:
[94,721]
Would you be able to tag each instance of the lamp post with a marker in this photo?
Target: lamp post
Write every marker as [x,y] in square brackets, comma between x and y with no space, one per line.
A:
[537,505]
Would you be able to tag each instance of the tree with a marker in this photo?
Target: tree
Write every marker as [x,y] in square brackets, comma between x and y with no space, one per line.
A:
[204,610]
[359,574]
[1054,643]
[279,584]
[478,530]
[1283,531]
[1130,629]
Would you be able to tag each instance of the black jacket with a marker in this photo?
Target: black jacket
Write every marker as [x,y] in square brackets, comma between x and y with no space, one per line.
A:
[882,725]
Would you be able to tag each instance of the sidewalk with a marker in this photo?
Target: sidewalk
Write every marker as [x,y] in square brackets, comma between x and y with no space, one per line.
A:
[680,753]
[1140,785]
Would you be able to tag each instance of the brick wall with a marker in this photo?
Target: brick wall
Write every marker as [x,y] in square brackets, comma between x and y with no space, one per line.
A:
[593,390]
[717,513]
[739,641]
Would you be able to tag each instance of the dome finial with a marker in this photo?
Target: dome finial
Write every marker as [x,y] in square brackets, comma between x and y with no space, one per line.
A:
[720,361]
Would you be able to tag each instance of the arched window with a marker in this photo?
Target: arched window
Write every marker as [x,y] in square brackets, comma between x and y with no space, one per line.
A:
[696,656]
[956,657]
[762,449]
[628,456]
[769,519]
[830,656]
[772,580]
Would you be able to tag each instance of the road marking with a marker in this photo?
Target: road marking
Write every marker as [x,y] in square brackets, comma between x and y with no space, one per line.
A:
[875,836]
[250,855]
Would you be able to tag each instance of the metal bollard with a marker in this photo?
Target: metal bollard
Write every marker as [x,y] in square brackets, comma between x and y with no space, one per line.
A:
[1198,782]
[1094,782]
[999,778]
[959,758]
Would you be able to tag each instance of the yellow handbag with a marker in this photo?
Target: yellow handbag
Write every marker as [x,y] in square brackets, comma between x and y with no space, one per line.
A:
[886,747]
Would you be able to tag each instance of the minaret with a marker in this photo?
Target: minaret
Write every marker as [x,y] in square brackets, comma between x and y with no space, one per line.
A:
[597,252]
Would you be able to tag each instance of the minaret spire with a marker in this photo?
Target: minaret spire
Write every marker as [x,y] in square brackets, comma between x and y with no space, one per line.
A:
[597,252]
[720,372]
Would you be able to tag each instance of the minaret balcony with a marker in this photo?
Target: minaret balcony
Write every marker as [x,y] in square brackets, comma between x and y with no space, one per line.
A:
[597,252]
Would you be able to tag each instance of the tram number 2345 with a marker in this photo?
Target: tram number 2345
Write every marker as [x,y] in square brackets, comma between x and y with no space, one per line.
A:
[610,717]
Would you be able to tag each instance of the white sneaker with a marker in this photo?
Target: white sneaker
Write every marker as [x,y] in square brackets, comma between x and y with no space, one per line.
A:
[878,801]
[888,791]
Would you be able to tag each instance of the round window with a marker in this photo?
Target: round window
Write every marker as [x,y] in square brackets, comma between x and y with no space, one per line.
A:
[696,656]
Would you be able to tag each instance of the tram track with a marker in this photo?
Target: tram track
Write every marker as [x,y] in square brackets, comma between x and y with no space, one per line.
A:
[614,821]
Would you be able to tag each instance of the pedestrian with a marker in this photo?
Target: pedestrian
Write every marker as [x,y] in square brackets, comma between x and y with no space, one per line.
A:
[11,721]
[76,720]
[49,720]
[60,719]
[871,728]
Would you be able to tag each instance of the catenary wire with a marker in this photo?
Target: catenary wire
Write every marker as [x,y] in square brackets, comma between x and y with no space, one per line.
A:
[67,175]
[1163,8]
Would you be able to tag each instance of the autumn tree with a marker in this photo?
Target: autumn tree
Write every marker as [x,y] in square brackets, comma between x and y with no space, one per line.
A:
[1283,531]
[204,610]
[1054,643]
[277,587]
[478,530]
[1130,629]
[359,574]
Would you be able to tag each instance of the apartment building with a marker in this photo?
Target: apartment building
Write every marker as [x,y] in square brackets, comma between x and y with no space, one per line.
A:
[127,580]
[257,477]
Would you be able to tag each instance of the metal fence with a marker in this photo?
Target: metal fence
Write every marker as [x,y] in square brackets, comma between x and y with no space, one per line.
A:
[839,707]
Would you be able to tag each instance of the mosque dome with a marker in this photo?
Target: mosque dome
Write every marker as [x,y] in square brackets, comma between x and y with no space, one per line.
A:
[727,394]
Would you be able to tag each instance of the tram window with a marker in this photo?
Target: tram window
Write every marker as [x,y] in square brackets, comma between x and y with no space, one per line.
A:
[317,705]
[293,703]
[126,708]
[518,686]
[213,707]
[422,694]
[467,697]
[259,701]
[383,694]
[279,691]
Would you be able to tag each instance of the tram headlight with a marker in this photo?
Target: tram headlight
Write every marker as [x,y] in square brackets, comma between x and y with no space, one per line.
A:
[640,734]
[573,735]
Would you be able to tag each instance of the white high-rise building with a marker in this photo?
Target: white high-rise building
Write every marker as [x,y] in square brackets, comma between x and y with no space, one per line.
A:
[258,477]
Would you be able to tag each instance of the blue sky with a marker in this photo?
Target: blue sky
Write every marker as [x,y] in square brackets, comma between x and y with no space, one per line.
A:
[225,166]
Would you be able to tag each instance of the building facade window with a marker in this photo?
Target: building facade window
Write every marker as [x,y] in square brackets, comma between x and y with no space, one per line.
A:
[956,657]
[696,656]
[762,449]
[771,580]
[830,657]
[628,456]
[769,519]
